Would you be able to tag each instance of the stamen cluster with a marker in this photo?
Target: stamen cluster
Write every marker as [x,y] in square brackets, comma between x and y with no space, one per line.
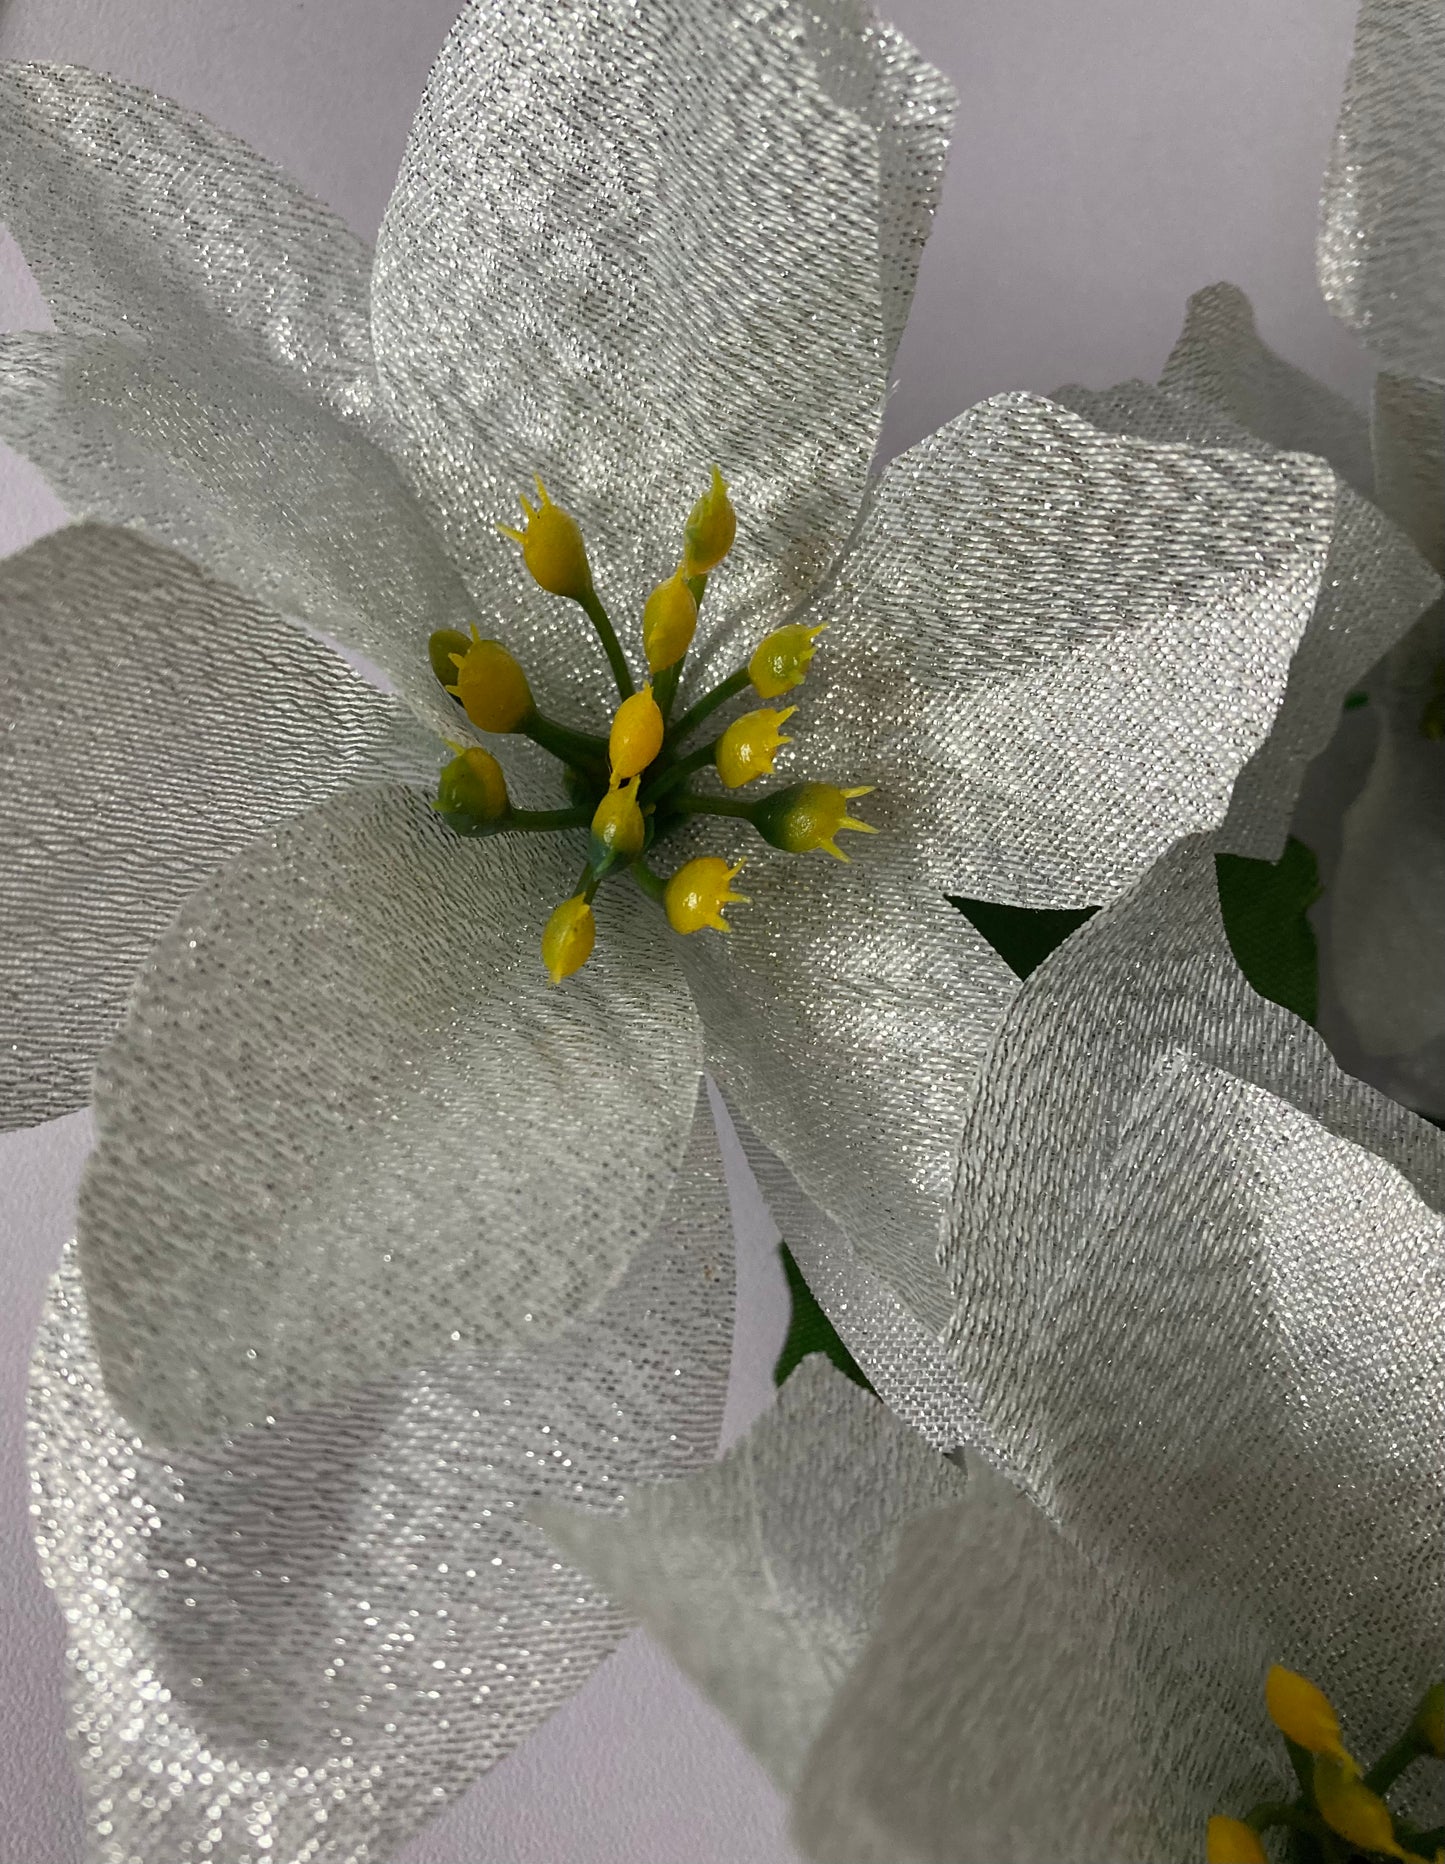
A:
[635,788]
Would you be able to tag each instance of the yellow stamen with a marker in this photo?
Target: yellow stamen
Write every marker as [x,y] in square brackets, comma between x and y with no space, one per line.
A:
[747,748]
[552,548]
[781,660]
[669,620]
[618,828]
[636,735]
[491,685]
[1231,1841]
[809,815]
[1304,1714]
[711,527]
[568,938]
[1348,1807]
[697,893]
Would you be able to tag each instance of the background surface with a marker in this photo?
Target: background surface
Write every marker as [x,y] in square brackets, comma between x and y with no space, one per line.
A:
[1111,156]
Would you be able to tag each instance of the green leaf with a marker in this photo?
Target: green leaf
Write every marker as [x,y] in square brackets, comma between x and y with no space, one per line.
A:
[810,1330]
[1265,906]
[1022,937]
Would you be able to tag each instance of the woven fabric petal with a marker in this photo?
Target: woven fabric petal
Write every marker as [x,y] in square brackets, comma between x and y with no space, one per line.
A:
[846,1015]
[328,1626]
[1221,361]
[223,460]
[1053,648]
[904,1360]
[1381,252]
[1372,592]
[631,240]
[1408,434]
[346,1122]
[138,217]
[761,1575]
[152,723]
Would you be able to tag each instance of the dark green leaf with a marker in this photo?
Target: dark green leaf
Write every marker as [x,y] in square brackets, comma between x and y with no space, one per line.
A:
[1265,906]
[810,1330]
[1021,936]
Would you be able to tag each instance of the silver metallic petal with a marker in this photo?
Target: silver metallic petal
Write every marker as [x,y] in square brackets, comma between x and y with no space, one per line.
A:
[629,240]
[1381,252]
[222,459]
[846,1017]
[346,1121]
[1054,648]
[300,1644]
[761,1575]
[1408,435]
[1221,361]
[1372,592]
[152,723]
[139,217]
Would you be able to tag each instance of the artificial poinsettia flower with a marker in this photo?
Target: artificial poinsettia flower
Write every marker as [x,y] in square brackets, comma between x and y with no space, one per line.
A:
[349,1126]
[1197,1309]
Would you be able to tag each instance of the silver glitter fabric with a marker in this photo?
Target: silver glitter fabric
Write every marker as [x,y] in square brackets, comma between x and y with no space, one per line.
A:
[394,1136]
[299,1642]
[152,722]
[1408,435]
[1381,253]
[761,1575]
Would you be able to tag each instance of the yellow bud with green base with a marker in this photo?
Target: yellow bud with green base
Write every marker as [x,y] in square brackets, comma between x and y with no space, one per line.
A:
[1231,1841]
[699,891]
[444,649]
[711,526]
[669,621]
[806,816]
[636,735]
[568,938]
[619,830]
[747,748]
[781,660]
[552,548]
[492,687]
[472,792]
[1348,1807]
[1304,1714]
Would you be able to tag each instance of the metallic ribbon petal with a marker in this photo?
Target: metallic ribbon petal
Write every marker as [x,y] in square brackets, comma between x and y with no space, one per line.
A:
[1054,647]
[1374,585]
[1381,252]
[1408,435]
[558,286]
[138,216]
[761,1574]
[225,460]
[299,1644]
[346,1121]
[152,723]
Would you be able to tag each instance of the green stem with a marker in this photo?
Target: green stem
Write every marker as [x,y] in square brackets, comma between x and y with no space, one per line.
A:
[697,587]
[1393,1762]
[588,881]
[542,821]
[732,685]
[578,748]
[611,646]
[664,687]
[711,805]
[652,884]
[680,771]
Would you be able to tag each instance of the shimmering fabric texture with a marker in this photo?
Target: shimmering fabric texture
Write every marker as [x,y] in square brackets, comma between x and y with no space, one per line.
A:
[301,1641]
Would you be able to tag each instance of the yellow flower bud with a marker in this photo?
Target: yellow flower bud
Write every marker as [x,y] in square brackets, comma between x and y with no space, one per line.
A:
[780,661]
[1303,1714]
[472,791]
[492,687]
[698,892]
[636,735]
[618,829]
[1348,1807]
[1429,1722]
[568,938]
[712,525]
[1231,1841]
[669,619]
[809,815]
[749,745]
[443,649]
[552,548]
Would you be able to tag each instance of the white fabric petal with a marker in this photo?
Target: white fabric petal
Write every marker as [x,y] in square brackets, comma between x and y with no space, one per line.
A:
[1381,252]
[846,1016]
[1408,435]
[1373,589]
[1221,361]
[761,1575]
[346,1120]
[300,1644]
[1054,648]
[152,723]
[139,217]
[631,240]
[223,460]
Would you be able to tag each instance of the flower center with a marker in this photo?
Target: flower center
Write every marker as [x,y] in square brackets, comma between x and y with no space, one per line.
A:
[638,786]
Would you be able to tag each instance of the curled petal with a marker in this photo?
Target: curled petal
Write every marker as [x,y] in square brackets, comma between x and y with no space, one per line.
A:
[152,723]
[1380,242]
[347,1122]
[329,1625]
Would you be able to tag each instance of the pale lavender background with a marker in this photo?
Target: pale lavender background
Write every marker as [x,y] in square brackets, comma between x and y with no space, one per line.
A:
[1111,157]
